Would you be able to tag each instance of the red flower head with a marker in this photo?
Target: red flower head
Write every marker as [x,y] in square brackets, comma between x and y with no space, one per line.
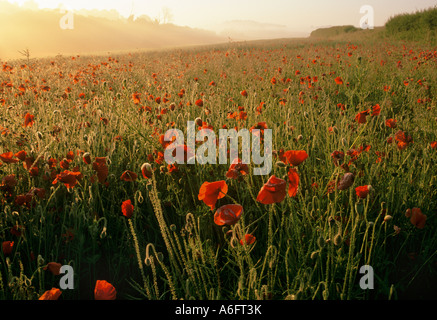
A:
[127,208]
[129,176]
[294,157]
[273,191]
[53,267]
[104,291]
[417,218]
[210,192]
[237,169]
[68,178]
[7,157]
[293,182]
[248,239]
[7,247]
[52,294]
[362,191]
[228,214]
[361,116]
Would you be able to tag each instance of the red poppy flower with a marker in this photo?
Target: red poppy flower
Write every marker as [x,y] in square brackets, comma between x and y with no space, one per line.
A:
[53,267]
[338,80]
[361,116]
[376,110]
[434,144]
[136,98]
[100,166]
[210,192]
[129,176]
[273,191]
[248,239]
[7,247]
[104,291]
[244,93]
[29,120]
[362,191]
[7,157]
[417,218]
[294,157]
[403,139]
[9,181]
[199,102]
[237,169]
[293,182]
[68,178]
[391,123]
[228,214]
[127,208]
[21,155]
[52,294]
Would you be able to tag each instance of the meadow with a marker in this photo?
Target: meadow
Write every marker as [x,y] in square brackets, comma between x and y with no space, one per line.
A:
[84,182]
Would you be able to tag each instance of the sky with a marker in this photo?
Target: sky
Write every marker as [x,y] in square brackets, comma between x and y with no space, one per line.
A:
[276,17]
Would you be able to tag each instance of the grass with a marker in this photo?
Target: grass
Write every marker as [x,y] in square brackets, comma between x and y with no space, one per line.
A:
[310,246]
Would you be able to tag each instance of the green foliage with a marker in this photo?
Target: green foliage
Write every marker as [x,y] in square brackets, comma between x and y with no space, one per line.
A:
[418,26]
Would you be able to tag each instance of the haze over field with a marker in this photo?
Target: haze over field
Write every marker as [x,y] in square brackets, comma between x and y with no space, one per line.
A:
[103,26]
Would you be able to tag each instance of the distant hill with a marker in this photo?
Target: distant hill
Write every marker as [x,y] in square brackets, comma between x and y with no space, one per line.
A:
[40,31]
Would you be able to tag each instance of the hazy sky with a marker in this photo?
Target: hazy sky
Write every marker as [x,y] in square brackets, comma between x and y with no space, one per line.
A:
[279,16]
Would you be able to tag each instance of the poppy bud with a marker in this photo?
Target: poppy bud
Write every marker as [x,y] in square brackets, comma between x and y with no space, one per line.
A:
[146,170]
[87,157]
[387,218]
[198,122]
[299,137]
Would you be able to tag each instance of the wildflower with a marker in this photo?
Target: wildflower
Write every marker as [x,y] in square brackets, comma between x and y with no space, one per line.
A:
[129,176]
[54,268]
[7,247]
[52,294]
[273,191]
[210,192]
[228,214]
[293,182]
[362,191]
[248,239]
[417,218]
[68,178]
[104,291]
[127,208]
[237,169]
[294,157]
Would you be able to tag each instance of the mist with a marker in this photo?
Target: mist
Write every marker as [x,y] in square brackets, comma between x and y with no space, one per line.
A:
[50,32]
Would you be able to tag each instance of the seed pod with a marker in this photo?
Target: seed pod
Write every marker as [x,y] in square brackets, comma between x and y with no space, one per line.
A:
[387,218]
[346,181]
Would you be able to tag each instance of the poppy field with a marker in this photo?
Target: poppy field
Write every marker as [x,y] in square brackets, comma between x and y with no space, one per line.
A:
[84,182]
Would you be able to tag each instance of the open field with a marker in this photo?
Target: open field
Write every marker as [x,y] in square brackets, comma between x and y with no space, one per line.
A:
[81,137]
